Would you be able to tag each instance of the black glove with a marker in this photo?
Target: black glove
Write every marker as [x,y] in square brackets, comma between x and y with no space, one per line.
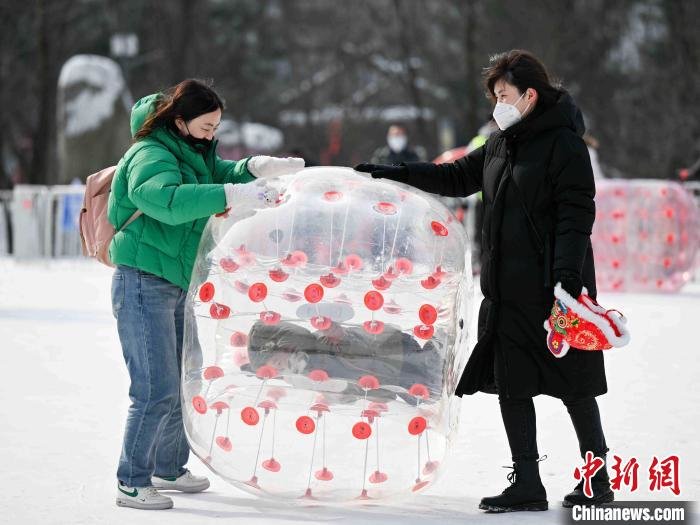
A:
[399,173]
[570,281]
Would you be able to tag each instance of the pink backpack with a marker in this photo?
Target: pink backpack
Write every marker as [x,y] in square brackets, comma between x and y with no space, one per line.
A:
[96,232]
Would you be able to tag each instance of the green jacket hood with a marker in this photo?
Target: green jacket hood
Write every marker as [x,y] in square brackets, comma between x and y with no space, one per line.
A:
[139,113]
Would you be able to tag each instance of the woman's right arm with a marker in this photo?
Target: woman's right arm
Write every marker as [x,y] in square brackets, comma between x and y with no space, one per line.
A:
[154,185]
[455,179]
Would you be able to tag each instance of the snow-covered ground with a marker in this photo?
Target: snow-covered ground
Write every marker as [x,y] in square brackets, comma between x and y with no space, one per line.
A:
[63,403]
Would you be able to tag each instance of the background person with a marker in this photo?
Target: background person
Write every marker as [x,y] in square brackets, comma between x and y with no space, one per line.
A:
[397,149]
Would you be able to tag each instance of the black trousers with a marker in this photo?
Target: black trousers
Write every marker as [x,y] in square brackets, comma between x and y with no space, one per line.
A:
[521,426]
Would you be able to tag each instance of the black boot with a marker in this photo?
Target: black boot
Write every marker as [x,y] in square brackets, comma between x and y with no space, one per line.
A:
[526,491]
[600,485]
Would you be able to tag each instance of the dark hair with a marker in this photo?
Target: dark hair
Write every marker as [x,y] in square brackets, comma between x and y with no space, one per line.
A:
[523,70]
[187,100]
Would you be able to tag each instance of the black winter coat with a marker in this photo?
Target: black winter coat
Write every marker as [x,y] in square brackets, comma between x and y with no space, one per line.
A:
[385,155]
[538,194]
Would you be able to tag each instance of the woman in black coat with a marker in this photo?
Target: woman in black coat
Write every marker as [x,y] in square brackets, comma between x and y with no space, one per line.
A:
[538,189]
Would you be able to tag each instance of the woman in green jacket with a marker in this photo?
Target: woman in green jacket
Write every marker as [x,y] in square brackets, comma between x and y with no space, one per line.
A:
[173,177]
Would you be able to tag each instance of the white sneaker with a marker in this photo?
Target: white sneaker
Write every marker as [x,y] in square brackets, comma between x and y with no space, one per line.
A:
[187,482]
[146,498]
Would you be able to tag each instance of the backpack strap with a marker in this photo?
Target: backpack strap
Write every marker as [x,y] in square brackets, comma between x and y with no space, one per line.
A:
[131,219]
[136,147]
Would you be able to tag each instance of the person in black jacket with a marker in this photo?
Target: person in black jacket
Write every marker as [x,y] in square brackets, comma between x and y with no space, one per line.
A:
[397,149]
[538,189]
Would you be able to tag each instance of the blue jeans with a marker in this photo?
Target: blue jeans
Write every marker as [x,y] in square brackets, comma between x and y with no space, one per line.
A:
[150,319]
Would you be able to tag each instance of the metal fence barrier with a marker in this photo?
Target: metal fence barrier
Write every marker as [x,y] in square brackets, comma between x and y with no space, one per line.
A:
[65,203]
[43,221]
[5,232]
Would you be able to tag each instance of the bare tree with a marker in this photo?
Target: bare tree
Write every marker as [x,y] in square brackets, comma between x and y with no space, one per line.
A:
[325,72]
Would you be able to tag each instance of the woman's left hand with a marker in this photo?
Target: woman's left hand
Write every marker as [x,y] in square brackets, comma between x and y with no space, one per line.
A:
[570,281]
[262,166]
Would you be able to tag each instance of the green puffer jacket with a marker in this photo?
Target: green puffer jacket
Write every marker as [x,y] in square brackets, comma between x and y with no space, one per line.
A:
[177,188]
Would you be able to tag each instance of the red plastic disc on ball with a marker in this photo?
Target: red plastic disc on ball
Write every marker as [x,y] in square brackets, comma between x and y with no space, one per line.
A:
[288,260]
[341,268]
[206,292]
[390,274]
[239,339]
[332,196]
[381,283]
[378,477]
[439,229]
[439,273]
[267,404]
[270,318]
[417,425]
[250,416]
[423,331]
[419,390]
[370,414]
[427,314]
[300,258]
[369,382]
[219,406]
[241,357]
[229,265]
[430,282]
[278,275]
[213,372]
[329,280]
[320,407]
[272,465]
[257,292]
[241,286]
[224,443]
[374,300]
[373,327]
[219,311]
[318,375]
[361,430]
[378,406]
[313,293]
[321,323]
[385,208]
[266,372]
[199,404]
[392,308]
[305,425]
[419,485]
[404,266]
[353,262]
[324,474]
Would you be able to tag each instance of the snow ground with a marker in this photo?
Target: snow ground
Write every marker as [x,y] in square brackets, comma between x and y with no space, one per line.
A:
[64,402]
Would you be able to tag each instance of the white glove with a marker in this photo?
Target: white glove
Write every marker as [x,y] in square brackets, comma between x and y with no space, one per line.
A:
[255,194]
[262,166]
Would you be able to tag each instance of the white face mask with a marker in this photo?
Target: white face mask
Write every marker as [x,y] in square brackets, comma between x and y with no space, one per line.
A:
[506,114]
[397,142]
